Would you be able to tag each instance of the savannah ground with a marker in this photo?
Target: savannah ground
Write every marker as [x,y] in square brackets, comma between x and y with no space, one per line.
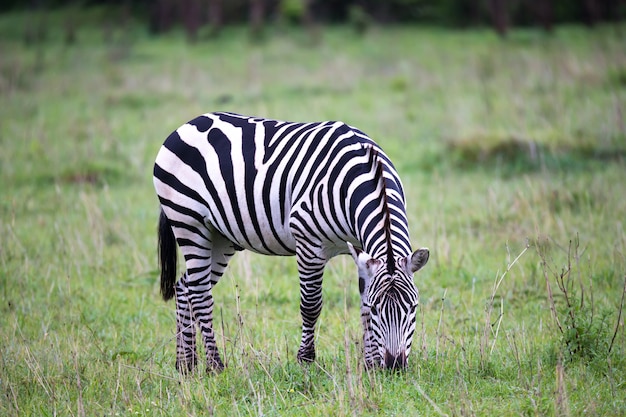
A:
[505,148]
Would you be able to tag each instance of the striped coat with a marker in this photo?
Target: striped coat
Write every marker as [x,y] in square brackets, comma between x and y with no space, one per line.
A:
[228,182]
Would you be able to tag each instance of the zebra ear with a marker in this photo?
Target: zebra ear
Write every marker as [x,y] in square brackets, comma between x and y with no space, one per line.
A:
[366,265]
[417,260]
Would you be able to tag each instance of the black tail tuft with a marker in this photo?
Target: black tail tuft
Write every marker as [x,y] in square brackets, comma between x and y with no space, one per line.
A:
[167,257]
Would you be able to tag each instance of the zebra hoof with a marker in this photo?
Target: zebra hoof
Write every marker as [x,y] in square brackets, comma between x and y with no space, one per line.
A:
[214,364]
[306,355]
[186,367]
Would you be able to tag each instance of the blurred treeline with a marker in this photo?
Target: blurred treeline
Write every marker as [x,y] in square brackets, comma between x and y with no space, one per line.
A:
[162,15]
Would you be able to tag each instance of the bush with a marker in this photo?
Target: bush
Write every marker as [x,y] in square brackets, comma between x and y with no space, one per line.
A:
[586,330]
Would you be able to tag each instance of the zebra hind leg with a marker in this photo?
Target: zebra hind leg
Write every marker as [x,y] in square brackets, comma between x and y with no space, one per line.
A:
[196,308]
[222,250]
[186,355]
[213,360]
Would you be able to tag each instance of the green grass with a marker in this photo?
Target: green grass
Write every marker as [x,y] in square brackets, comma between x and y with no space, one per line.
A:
[500,145]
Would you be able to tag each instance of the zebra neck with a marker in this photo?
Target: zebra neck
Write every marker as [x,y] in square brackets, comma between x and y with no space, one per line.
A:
[376,230]
[384,250]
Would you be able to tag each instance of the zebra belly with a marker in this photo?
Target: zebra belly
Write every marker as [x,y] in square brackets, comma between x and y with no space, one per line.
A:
[265,240]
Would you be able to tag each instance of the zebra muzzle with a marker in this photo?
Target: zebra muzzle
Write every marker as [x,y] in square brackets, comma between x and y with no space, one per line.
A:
[395,362]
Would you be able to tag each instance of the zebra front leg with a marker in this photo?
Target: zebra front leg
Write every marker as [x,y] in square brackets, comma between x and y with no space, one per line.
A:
[186,356]
[311,271]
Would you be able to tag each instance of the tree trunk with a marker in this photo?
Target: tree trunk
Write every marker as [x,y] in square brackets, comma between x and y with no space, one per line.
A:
[257,14]
[70,28]
[544,10]
[215,17]
[162,16]
[381,10]
[191,19]
[593,12]
[309,23]
[499,16]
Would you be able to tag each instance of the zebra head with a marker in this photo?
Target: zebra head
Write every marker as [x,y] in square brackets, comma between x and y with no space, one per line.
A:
[389,300]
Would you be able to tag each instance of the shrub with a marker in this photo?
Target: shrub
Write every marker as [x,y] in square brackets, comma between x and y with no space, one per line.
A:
[585,329]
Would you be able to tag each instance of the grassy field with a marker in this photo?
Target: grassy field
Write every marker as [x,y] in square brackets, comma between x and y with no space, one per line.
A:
[512,154]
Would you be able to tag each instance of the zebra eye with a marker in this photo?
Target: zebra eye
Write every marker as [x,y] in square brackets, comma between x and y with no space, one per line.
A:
[373,310]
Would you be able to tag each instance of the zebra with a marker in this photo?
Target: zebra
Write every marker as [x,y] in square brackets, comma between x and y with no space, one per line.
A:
[228,182]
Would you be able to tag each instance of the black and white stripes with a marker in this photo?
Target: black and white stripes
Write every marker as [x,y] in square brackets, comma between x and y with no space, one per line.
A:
[228,182]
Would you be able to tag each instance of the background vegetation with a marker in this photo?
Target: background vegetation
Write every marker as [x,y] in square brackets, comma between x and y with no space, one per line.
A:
[511,152]
[209,16]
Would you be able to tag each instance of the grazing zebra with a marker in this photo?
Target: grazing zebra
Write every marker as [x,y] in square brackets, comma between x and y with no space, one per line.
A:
[228,182]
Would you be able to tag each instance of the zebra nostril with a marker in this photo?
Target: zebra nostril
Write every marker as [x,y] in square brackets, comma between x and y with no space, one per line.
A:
[395,361]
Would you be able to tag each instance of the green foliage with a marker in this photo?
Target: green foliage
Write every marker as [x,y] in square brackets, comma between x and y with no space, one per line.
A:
[359,19]
[292,10]
[585,328]
[616,78]
[83,330]
[457,13]
[514,155]
[587,336]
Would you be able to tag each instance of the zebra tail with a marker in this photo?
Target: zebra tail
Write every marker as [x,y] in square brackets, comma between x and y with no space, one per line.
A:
[167,257]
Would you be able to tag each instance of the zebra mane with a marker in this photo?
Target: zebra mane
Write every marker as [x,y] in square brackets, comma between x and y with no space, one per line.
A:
[379,176]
